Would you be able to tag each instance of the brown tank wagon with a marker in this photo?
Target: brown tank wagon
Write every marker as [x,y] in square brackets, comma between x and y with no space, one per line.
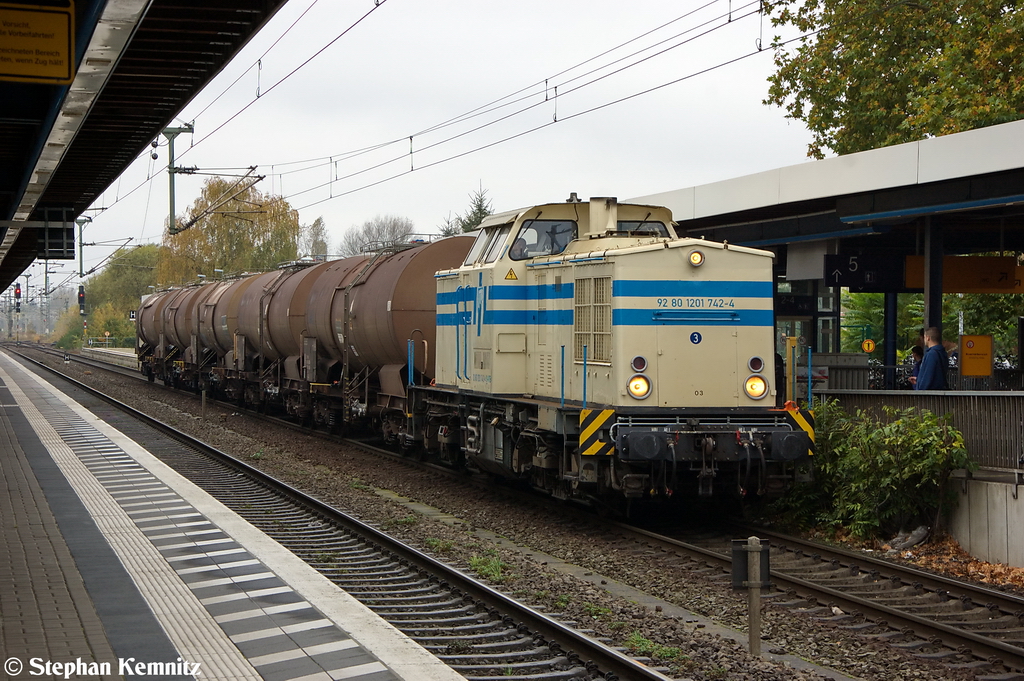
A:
[299,334]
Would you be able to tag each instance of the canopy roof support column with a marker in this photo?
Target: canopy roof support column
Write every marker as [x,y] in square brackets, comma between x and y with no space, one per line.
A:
[933,252]
[889,347]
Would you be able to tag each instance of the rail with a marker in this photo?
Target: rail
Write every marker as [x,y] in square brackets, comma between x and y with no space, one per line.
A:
[295,516]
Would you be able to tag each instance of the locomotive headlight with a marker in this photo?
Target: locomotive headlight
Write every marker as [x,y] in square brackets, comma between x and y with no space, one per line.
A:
[755,386]
[639,387]
[696,258]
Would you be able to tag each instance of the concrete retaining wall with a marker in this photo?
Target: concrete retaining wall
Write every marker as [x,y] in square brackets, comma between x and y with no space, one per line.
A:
[988,521]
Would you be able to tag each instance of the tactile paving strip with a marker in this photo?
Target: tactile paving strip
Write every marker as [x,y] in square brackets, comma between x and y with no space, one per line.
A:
[281,636]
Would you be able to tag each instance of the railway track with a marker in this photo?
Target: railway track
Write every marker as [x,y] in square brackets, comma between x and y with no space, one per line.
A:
[478,631]
[965,626]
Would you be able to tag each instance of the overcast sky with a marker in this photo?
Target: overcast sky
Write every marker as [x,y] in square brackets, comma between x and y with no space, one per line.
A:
[334,84]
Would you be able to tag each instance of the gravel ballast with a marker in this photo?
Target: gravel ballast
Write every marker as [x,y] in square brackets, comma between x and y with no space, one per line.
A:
[347,478]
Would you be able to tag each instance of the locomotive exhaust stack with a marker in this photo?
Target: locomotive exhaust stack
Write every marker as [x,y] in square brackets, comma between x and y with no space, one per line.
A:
[604,212]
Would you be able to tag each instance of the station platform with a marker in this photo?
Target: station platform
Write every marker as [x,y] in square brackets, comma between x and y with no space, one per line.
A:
[114,566]
[124,357]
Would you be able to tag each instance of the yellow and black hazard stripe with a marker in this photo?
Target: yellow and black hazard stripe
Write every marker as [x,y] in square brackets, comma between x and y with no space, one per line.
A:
[594,424]
[804,420]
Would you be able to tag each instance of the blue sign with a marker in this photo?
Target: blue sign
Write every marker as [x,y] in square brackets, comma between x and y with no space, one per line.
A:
[696,338]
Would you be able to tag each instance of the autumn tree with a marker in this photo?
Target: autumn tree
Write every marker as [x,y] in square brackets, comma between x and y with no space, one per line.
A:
[381,231]
[110,295]
[248,233]
[67,327]
[875,73]
[124,279]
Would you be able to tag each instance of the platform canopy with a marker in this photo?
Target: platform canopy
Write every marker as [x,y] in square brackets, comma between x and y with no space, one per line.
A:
[970,182]
[85,86]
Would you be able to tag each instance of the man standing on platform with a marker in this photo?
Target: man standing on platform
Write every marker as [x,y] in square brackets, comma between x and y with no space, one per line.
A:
[932,375]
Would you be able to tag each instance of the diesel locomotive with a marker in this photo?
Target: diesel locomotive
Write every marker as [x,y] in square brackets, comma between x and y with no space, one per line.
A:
[581,347]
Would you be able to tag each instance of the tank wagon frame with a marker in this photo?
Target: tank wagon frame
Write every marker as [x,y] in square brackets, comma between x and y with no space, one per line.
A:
[580,347]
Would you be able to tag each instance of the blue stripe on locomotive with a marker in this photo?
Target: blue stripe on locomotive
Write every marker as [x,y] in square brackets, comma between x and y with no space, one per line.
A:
[641,288]
[620,316]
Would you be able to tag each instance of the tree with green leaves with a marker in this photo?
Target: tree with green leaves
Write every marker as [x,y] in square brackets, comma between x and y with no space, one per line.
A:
[479,208]
[124,279]
[875,73]
[992,314]
[251,232]
[864,317]
[110,295]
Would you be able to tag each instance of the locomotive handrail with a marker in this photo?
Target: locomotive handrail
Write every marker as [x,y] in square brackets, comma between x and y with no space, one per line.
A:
[694,316]
[458,363]
[464,324]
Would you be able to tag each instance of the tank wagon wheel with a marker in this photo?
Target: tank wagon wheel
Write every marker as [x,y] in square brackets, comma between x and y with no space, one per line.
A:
[411,449]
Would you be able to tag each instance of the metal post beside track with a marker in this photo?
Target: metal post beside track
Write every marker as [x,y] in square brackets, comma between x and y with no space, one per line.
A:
[751,572]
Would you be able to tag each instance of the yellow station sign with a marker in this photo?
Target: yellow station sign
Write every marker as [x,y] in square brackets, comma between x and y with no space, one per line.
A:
[975,355]
[967,274]
[37,43]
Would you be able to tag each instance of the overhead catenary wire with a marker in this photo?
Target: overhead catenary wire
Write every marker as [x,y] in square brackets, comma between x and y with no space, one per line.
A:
[732,19]
[376,6]
[535,105]
[152,176]
[478,111]
[530,130]
[533,90]
[312,163]
[258,62]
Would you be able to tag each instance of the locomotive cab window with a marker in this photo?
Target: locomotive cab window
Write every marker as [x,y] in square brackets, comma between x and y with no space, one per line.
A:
[486,241]
[542,237]
[497,243]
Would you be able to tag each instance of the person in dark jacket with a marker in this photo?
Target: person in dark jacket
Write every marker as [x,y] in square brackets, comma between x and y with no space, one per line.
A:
[917,352]
[932,374]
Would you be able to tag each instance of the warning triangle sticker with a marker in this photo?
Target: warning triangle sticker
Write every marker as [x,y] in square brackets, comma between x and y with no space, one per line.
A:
[511,275]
